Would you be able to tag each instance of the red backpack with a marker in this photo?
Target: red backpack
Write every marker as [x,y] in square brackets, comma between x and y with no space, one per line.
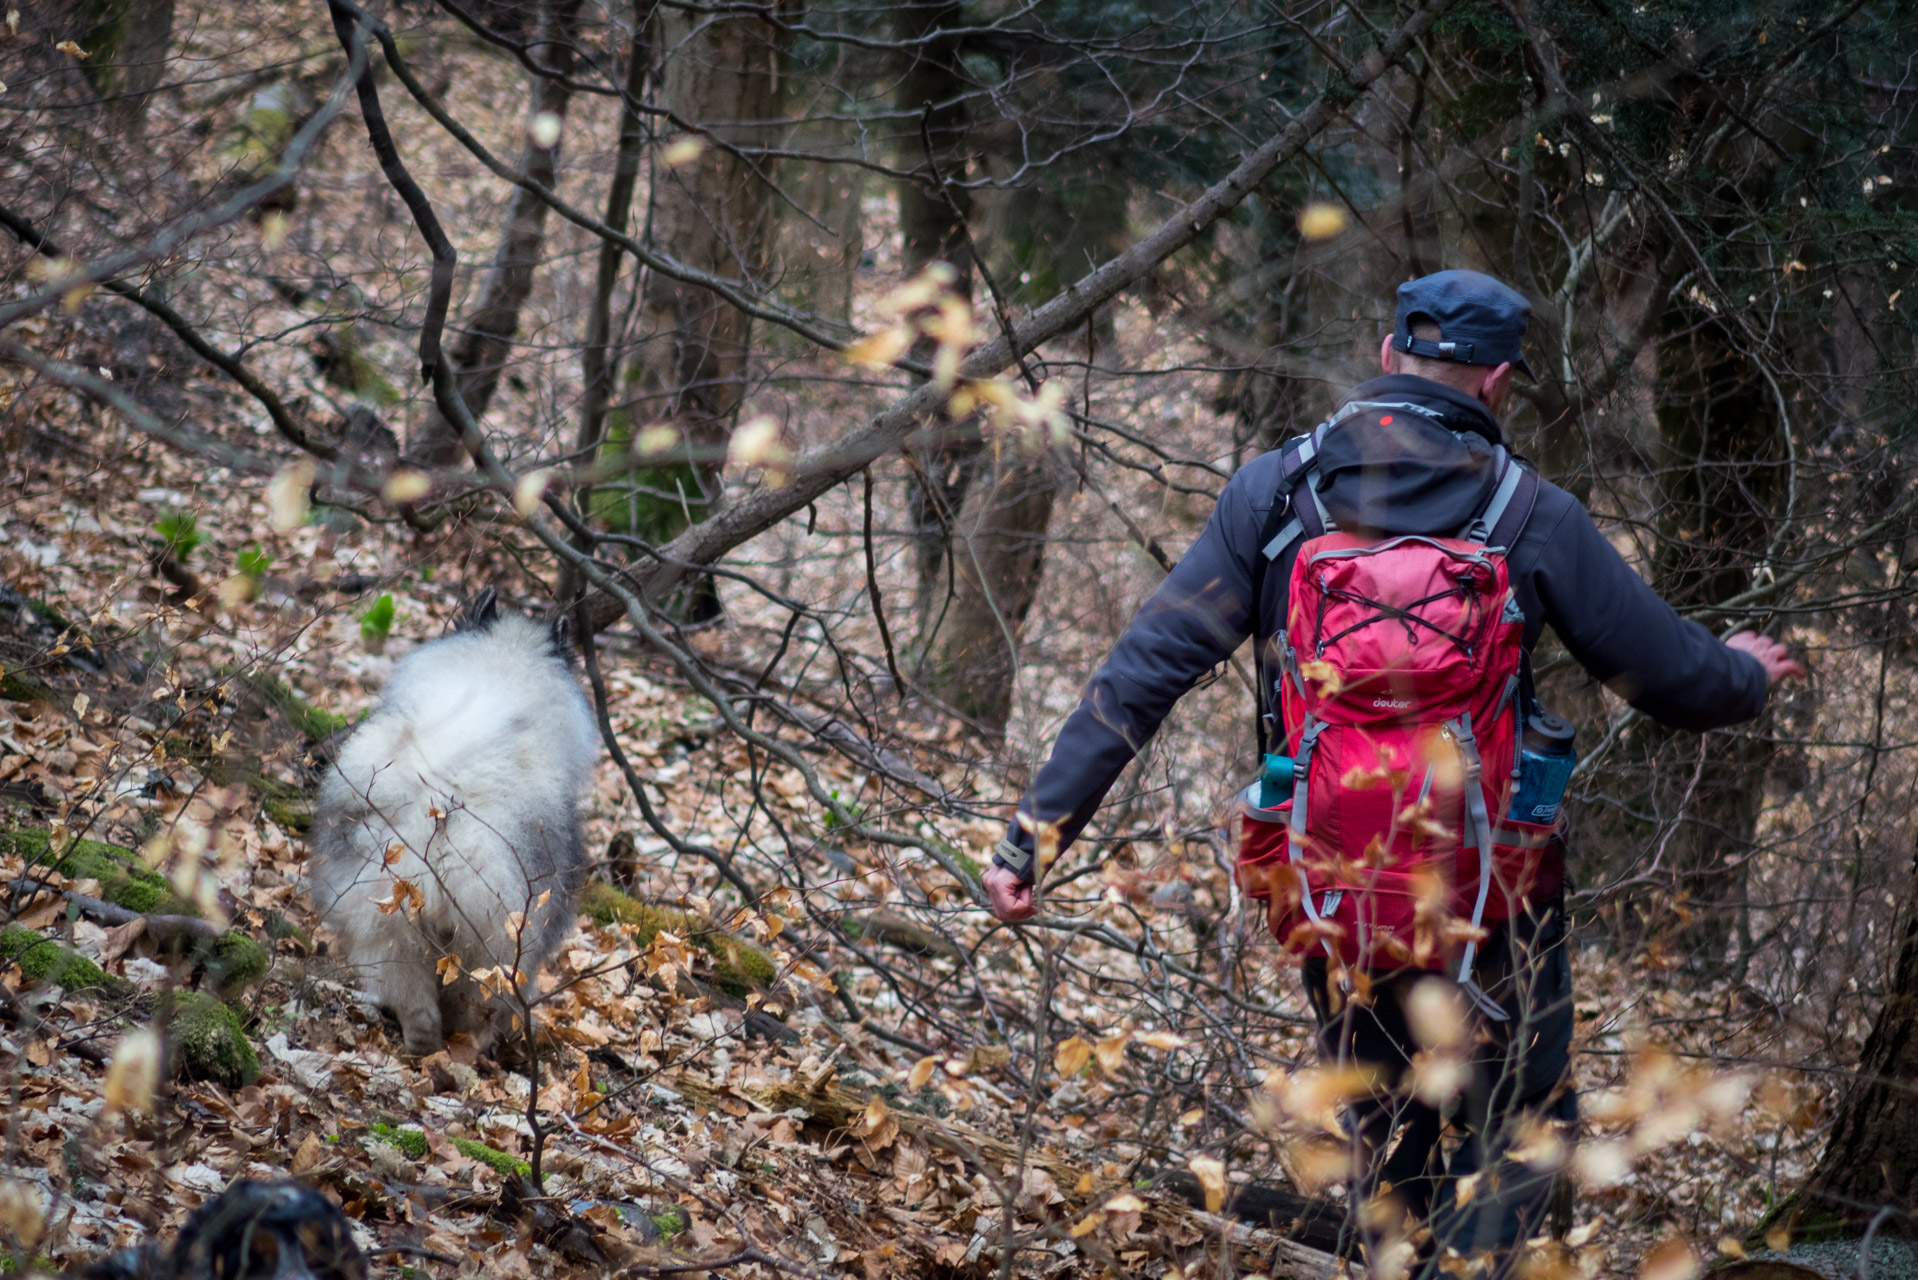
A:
[1397,680]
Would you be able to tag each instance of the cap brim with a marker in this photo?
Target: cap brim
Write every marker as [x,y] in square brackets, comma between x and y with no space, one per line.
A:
[1525,369]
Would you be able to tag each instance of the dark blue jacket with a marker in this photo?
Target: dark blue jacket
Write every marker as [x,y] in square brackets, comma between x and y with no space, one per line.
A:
[1415,476]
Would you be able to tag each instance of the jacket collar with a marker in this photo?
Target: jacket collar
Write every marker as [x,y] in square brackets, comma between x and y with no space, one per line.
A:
[1457,410]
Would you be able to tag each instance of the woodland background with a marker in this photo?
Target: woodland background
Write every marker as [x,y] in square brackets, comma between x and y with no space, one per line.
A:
[315,320]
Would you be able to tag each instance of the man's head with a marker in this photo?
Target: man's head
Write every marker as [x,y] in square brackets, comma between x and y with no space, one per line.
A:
[1460,328]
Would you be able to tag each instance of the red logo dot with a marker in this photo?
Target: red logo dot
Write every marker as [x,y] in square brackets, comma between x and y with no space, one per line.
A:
[1386,421]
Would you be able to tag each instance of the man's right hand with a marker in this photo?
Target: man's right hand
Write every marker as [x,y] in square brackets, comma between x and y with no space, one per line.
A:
[1011,897]
[1771,655]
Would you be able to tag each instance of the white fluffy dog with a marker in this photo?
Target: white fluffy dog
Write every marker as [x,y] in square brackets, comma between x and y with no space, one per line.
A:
[446,839]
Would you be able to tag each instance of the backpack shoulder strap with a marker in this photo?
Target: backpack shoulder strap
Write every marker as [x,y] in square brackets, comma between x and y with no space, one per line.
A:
[1504,515]
[1505,526]
[1287,525]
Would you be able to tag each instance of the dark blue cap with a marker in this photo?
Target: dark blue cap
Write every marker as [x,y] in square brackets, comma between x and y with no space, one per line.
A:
[1480,320]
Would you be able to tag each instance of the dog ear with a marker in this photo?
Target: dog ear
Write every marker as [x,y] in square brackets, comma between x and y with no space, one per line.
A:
[562,636]
[481,614]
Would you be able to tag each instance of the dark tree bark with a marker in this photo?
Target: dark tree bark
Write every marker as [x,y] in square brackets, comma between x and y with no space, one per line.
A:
[932,228]
[128,53]
[713,212]
[599,355]
[480,354]
[1871,1158]
[1718,428]
[998,555]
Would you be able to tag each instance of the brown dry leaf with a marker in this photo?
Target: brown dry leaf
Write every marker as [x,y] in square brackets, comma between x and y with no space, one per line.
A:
[23,1211]
[682,152]
[311,1153]
[406,896]
[921,1073]
[134,1072]
[1671,1259]
[120,939]
[1211,1175]
[1160,1040]
[1111,1052]
[1324,675]
[983,1057]
[1071,1056]
[879,350]
[1316,1092]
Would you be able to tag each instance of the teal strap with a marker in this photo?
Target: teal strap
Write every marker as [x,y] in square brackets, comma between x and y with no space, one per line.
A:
[1295,828]
[1481,823]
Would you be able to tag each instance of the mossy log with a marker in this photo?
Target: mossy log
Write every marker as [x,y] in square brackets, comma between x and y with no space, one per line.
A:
[129,889]
[124,880]
[739,967]
[314,723]
[208,1042]
[47,960]
[16,687]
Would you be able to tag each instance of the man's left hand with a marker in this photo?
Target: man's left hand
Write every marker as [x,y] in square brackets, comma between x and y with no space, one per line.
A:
[1011,897]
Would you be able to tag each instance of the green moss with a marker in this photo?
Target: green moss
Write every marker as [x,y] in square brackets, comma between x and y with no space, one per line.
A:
[124,879]
[45,960]
[671,1220]
[506,1166]
[209,1043]
[288,814]
[15,687]
[738,966]
[278,927]
[315,724]
[236,962]
[410,1142]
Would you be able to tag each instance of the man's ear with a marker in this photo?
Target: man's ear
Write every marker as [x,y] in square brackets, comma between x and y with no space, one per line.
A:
[1385,355]
[1497,384]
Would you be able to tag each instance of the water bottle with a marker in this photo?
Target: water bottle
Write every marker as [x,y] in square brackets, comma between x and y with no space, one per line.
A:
[1275,781]
[1545,760]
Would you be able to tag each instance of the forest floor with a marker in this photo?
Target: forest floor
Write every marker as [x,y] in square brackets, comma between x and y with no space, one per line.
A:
[858,1077]
[667,1124]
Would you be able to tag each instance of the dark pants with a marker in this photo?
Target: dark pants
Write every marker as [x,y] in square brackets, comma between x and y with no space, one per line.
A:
[1517,1086]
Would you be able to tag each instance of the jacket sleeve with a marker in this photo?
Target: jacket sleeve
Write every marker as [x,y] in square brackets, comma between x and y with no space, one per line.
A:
[1193,622]
[1630,639]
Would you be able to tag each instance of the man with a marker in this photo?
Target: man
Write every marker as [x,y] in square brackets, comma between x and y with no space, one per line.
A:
[1430,468]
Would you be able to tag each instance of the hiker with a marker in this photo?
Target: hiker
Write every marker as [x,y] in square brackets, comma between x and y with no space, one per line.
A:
[1409,482]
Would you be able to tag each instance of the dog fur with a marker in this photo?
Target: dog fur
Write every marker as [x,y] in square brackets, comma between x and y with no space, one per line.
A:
[465,784]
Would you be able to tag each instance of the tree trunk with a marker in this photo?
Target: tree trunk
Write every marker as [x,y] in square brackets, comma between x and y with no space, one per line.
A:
[481,351]
[932,229]
[713,212]
[998,552]
[1871,1158]
[1718,436]
[127,53]
[599,355]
